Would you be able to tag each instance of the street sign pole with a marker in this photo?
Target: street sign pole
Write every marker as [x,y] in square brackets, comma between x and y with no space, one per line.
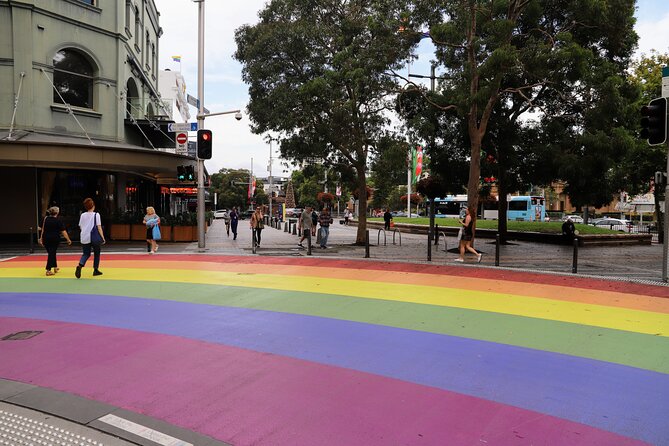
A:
[200,124]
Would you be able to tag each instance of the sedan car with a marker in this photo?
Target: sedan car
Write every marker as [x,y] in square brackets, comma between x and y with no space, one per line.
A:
[221,213]
[293,212]
[574,218]
[615,224]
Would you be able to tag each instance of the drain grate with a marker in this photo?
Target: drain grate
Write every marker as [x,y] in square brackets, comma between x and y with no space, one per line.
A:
[21,335]
[19,430]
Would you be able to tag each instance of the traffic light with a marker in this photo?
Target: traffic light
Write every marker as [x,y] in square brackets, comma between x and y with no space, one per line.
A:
[654,121]
[204,144]
[190,173]
[181,173]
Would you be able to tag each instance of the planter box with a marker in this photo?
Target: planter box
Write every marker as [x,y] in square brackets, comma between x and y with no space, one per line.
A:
[184,233]
[119,231]
[138,232]
[166,233]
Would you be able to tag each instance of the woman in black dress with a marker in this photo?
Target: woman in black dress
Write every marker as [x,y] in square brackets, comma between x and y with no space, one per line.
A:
[52,229]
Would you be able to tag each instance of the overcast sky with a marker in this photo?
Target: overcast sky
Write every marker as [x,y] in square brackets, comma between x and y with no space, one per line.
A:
[234,144]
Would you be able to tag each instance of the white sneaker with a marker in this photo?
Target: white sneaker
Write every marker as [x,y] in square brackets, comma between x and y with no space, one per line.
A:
[478,259]
[459,260]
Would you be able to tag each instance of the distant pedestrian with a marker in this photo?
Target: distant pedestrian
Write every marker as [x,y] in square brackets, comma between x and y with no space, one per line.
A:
[467,236]
[52,229]
[304,225]
[314,222]
[92,238]
[347,216]
[226,219]
[234,221]
[152,222]
[387,218]
[325,220]
[257,225]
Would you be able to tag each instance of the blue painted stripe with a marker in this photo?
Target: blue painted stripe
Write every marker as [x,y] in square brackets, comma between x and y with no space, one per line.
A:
[629,401]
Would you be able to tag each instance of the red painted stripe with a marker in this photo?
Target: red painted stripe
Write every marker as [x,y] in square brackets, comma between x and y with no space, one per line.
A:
[246,397]
[484,273]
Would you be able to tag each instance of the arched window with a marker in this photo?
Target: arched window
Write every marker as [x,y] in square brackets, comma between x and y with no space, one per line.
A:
[73,78]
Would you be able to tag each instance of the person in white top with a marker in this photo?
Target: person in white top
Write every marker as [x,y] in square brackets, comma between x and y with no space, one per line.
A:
[89,221]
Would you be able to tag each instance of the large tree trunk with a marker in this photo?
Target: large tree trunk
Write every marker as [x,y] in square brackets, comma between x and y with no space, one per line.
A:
[362,205]
[474,176]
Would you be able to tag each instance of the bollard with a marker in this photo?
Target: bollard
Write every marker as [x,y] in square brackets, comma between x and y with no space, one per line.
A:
[436,236]
[32,248]
[497,250]
[295,228]
[367,244]
[318,236]
[285,227]
[309,243]
[574,263]
[429,245]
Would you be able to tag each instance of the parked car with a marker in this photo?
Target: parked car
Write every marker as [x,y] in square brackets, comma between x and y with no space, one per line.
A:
[403,214]
[293,212]
[574,218]
[220,213]
[615,224]
[245,214]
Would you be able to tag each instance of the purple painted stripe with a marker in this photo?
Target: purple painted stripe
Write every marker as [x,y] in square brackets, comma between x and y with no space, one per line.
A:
[246,397]
[626,400]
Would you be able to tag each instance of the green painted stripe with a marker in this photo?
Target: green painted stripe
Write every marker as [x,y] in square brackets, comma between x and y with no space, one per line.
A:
[622,347]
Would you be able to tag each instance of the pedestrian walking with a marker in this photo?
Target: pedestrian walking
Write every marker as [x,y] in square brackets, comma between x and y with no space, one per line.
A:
[152,222]
[314,222]
[387,218]
[304,225]
[226,219]
[92,238]
[234,221]
[52,229]
[467,236]
[257,225]
[347,216]
[325,220]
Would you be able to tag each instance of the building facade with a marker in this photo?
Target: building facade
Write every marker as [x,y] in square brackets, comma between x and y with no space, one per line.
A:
[80,112]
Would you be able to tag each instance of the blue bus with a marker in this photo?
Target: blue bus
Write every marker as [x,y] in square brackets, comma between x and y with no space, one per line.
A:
[526,208]
[520,208]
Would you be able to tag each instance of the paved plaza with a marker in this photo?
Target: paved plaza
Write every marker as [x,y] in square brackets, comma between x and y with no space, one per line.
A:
[287,349]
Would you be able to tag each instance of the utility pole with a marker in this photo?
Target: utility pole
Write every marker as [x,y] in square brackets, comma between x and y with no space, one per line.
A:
[200,124]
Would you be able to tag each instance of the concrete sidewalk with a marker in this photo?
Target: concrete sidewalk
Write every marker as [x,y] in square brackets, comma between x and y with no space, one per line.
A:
[622,262]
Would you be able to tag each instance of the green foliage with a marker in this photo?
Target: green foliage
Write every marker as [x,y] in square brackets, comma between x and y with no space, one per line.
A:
[232,188]
[317,74]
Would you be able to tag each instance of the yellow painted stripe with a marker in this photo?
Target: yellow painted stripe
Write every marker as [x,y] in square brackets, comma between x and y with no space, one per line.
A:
[584,314]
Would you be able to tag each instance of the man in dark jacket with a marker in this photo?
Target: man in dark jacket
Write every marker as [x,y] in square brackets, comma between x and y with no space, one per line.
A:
[387,217]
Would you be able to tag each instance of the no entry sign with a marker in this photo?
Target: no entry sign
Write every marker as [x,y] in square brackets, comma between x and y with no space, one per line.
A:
[182,138]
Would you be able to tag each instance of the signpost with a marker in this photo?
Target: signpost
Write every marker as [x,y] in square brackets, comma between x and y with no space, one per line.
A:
[182,143]
[182,127]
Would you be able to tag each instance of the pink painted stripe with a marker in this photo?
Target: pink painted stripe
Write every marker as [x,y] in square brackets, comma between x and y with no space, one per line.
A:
[250,398]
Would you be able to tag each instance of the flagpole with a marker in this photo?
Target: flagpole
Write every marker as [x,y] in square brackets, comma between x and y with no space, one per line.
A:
[409,164]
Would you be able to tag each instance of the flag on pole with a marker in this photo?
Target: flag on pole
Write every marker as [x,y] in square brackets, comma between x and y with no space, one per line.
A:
[252,187]
[176,58]
[338,190]
[416,163]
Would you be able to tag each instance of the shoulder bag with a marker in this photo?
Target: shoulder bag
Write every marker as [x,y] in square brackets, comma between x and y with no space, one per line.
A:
[96,238]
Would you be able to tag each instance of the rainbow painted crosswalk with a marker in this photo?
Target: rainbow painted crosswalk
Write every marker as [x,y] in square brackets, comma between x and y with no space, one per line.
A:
[285,351]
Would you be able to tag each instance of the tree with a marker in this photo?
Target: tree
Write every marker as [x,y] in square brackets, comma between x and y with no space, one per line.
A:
[231,185]
[317,75]
[643,160]
[389,169]
[529,56]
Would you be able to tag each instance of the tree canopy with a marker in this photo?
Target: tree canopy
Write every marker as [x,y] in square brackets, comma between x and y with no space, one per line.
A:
[318,77]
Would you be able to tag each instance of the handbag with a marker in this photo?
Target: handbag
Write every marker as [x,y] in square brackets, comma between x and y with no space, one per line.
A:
[156,232]
[460,233]
[96,238]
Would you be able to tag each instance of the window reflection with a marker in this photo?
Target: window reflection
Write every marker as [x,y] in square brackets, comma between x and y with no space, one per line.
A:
[73,78]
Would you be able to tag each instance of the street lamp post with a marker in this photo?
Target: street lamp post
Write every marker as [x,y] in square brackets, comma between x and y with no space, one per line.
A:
[200,124]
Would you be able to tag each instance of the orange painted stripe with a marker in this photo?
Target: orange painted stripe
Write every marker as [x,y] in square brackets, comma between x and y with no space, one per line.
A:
[290,272]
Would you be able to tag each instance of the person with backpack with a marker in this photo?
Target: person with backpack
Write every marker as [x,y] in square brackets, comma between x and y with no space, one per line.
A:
[92,238]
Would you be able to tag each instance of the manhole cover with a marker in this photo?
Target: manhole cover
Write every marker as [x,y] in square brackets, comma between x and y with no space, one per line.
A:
[21,335]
